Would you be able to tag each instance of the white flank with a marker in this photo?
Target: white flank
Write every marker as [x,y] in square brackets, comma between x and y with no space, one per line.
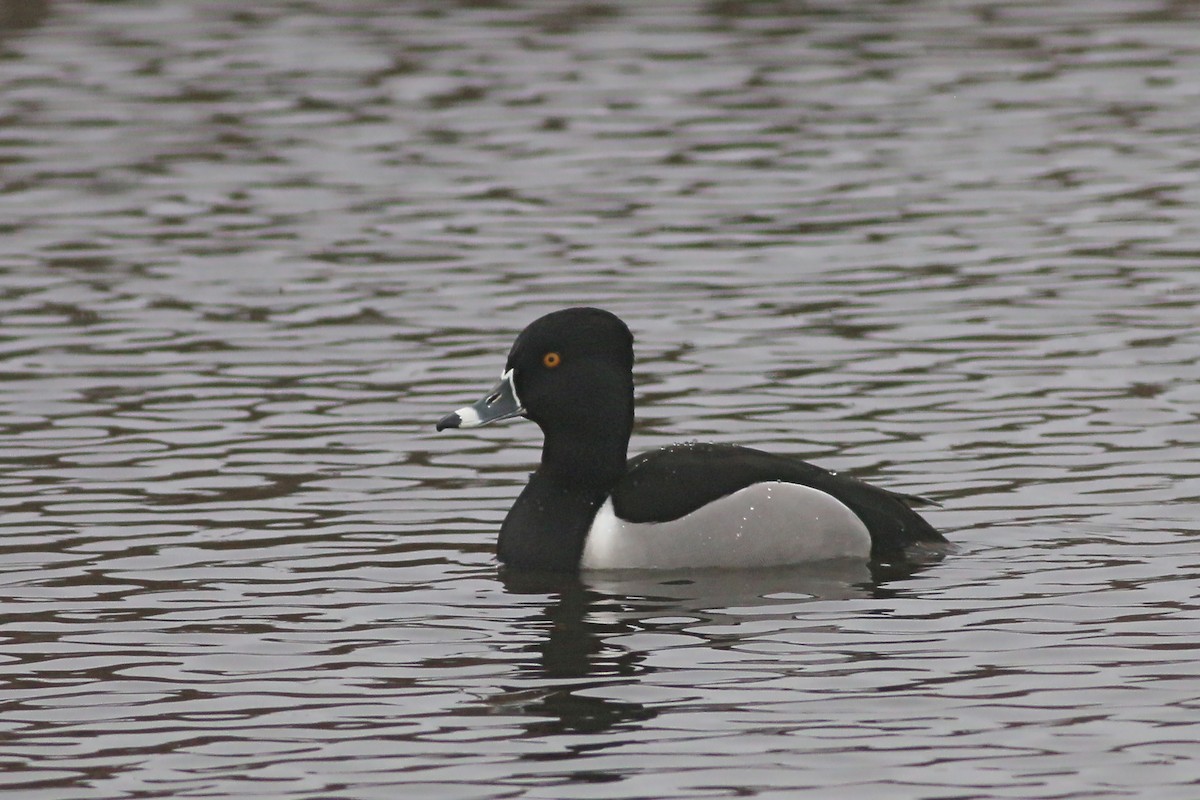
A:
[763,525]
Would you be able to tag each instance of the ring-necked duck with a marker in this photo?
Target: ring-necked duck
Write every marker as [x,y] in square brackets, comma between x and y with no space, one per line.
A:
[688,505]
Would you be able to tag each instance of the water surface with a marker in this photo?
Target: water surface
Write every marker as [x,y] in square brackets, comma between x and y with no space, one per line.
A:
[251,255]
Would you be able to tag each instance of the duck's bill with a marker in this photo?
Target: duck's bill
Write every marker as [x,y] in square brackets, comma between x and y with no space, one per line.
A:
[500,403]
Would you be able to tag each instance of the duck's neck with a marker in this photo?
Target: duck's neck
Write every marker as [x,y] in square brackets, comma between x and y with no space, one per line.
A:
[547,526]
[583,461]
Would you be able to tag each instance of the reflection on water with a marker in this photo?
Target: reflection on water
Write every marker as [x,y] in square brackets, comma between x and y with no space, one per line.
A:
[250,253]
[585,616]
[18,15]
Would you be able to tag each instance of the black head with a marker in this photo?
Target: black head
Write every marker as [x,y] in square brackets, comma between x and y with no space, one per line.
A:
[570,371]
[574,368]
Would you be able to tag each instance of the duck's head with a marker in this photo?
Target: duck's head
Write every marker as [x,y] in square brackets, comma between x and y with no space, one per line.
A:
[570,371]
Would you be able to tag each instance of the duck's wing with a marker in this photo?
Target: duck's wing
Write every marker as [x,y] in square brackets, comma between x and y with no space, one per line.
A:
[668,484]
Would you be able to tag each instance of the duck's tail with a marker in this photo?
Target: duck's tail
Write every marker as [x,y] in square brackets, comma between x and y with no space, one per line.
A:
[914,500]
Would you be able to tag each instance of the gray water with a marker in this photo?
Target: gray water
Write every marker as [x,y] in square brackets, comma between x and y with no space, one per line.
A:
[250,253]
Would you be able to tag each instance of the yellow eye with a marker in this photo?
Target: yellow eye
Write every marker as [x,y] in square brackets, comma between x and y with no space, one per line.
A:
[551,360]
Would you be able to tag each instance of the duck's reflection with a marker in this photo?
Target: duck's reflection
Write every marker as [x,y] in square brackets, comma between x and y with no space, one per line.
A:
[583,616]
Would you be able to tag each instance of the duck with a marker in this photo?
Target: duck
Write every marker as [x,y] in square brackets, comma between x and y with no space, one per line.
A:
[693,505]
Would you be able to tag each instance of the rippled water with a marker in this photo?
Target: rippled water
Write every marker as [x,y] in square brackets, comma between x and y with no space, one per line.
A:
[251,253]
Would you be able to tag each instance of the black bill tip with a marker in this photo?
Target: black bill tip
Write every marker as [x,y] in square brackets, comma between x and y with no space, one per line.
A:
[449,421]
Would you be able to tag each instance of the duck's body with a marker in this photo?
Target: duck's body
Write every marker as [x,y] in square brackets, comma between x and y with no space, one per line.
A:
[765,523]
[689,505]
